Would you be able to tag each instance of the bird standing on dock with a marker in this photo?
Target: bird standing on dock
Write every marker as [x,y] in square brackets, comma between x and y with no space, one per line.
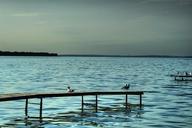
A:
[126,87]
[69,89]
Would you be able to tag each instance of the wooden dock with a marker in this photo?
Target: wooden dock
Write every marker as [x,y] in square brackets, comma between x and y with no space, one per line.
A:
[182,77]
[41,96]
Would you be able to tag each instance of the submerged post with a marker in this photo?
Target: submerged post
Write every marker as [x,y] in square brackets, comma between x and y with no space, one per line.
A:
[140,100]
[96,102]
[126,101]
[82,103]
[26,108]
[41,107]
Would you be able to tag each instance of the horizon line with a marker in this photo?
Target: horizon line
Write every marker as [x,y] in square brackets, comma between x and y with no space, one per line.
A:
[104,55]
[15,53]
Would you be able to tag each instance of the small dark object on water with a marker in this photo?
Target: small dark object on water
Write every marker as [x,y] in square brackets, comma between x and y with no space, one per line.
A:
[69,89]
[126,87]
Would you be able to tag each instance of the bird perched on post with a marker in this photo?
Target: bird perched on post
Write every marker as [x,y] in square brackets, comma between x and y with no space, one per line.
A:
[69,89]
[126,87]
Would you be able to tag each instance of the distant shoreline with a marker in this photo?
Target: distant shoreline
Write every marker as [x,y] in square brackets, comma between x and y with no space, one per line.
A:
[8,53]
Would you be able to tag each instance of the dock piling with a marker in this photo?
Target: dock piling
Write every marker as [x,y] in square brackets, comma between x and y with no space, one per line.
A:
[126,101]
[140,100]
[26,108]
[96,102]
[41,107]
[82,103]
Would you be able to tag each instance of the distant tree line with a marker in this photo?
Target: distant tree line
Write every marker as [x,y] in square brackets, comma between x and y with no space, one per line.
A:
[8,53]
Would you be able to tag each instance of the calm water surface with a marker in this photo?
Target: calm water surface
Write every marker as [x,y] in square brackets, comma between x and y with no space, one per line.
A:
[167,103]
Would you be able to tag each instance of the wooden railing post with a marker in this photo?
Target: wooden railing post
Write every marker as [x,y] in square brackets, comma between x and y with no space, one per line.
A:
[41,107]
[82,103]
[26,108]
[140,100]
[96,102]
[126,101]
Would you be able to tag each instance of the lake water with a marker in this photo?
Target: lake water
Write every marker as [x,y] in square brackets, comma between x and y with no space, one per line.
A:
[167,103]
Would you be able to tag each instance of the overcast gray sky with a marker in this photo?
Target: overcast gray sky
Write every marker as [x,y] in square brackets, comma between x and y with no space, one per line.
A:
[118,27]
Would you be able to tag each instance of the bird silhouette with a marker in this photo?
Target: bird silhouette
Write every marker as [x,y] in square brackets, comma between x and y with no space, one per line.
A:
[126,87]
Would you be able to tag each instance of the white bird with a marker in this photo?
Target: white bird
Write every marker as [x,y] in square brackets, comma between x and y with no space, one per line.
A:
[126,87]
[69,89]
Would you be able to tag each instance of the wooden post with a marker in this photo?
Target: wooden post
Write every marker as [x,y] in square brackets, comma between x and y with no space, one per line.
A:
[41,107]
[82,103]
[26,108]
[126,101]
[96,102]
[140,100]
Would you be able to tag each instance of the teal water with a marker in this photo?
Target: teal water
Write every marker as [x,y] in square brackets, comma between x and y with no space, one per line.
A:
[167,103]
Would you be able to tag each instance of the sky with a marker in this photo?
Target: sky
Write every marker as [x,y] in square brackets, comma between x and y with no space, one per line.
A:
[103,27]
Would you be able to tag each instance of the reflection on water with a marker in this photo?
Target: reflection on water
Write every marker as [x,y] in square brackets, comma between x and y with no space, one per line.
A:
[167,103]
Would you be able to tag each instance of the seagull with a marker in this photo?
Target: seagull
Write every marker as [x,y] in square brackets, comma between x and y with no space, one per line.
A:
[126,87]
[69,89]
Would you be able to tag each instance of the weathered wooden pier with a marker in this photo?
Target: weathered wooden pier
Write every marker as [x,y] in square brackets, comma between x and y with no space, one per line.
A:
[182,77]
[41,96]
